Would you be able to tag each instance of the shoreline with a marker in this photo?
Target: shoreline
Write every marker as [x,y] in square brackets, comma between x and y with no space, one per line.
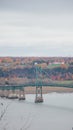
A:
[32,90]
[45,90]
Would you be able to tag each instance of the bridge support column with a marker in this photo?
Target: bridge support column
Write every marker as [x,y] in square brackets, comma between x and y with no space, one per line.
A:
[22,94]
[39,97]
[12,94]
[2,93]
[6,93]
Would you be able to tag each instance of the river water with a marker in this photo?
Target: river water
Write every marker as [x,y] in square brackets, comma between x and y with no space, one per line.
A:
[55,113]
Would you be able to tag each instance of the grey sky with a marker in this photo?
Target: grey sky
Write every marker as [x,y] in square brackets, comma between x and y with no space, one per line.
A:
[36,28]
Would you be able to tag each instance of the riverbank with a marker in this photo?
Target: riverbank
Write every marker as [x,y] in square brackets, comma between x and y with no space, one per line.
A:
[31,90]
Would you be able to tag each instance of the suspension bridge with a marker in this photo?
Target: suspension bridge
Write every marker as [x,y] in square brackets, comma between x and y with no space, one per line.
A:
[13,91]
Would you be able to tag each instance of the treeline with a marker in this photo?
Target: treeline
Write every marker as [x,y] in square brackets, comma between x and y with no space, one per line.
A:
[30,73]
[18,72]
[60,73]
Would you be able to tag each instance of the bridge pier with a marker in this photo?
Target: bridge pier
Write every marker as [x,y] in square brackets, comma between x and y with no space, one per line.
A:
[21,94]
[2,93]
[6,93]
[12,94]
[38,98]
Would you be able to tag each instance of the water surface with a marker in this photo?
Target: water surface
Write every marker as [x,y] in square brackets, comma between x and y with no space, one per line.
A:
[55,113]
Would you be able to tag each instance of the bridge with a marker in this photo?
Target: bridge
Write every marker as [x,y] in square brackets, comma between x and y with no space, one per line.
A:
[13,91]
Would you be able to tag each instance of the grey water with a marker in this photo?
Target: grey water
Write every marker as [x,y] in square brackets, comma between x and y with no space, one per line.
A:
[55,113]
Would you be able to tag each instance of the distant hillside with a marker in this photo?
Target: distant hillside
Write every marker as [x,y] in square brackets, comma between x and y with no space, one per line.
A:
[57,68]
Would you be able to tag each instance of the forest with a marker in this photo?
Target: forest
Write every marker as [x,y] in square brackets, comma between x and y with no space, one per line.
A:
[24,68]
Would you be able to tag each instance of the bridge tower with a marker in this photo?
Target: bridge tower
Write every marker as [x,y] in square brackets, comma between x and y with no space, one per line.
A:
[39,97]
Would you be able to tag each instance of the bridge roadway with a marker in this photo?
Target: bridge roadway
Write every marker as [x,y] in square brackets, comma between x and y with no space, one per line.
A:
[20,86]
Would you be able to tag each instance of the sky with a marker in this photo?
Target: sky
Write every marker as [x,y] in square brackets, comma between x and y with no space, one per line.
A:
[36,28]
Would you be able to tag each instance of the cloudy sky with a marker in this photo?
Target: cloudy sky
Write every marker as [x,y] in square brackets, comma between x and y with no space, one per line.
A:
[36,27]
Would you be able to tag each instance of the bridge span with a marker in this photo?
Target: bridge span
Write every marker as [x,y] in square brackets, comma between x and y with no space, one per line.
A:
[13,91]
[18,91]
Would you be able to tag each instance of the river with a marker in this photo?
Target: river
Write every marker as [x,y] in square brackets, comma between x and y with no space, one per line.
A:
[55,113]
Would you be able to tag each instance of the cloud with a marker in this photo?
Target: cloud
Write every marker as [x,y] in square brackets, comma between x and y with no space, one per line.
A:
[37,50]
[52,6]
[17,29]
[36,27]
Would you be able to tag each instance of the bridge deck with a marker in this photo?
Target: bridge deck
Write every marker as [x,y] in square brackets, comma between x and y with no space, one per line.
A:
[21,86]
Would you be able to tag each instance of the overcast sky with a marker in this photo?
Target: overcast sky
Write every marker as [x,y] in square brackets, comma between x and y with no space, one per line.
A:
[36,27]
